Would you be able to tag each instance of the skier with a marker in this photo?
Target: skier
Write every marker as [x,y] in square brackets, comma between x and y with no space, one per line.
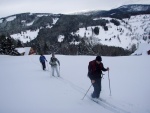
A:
[42,60]
[53,62]
[95,69]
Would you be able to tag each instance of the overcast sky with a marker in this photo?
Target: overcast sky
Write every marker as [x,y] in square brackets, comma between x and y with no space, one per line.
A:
[10,7]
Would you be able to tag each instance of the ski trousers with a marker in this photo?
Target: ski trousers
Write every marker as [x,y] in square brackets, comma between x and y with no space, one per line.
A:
[97,88]
[55,68]
[43,65]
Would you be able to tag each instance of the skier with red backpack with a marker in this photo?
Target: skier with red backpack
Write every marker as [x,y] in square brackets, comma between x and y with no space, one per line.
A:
[95,69]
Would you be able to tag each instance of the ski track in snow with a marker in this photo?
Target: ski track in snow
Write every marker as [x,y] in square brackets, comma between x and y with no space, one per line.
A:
[112,105]
[103,103]
[119,107]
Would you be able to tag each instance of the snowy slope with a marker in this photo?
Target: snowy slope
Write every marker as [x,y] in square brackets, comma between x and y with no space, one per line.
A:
[29,35]
[130,32]
[26,88]
[25,36]
[142,49]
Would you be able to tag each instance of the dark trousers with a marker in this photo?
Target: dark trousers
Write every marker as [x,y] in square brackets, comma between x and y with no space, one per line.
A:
[43,65]
[97,88]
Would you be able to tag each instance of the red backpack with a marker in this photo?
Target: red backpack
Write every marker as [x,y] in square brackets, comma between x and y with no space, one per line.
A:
[92,68]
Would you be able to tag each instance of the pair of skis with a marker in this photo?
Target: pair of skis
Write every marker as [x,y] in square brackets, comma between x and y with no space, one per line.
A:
[96,100]
[103,103]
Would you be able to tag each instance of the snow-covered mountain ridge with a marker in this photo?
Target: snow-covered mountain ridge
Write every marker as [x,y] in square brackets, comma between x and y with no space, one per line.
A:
[135,7]
[130,31]
[93,28]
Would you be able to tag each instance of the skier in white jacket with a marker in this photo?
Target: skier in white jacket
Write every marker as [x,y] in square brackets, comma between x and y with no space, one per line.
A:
[54,62]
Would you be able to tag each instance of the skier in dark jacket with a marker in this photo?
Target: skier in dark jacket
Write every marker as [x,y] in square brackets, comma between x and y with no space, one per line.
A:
[95,69]
[42,60]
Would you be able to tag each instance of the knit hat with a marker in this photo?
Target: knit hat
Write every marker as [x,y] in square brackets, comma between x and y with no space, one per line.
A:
[98,58]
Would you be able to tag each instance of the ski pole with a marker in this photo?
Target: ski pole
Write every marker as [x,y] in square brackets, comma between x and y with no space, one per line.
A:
[59,69]
[87,91]
[109,83]
[47,65]
[46,68]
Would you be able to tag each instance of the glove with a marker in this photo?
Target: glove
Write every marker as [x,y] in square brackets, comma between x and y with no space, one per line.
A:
[92,81]
[107,68]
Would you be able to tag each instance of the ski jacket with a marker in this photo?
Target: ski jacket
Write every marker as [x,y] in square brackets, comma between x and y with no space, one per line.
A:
[54,61]
[42,59]
[95,70]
